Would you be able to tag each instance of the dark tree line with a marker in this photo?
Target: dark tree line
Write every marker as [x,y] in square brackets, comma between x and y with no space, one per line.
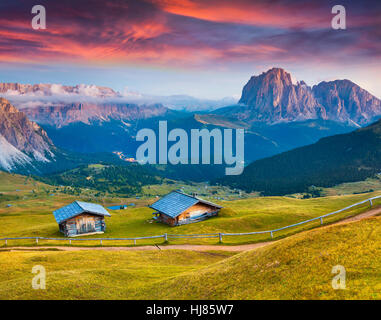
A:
[124,180]
[342,158]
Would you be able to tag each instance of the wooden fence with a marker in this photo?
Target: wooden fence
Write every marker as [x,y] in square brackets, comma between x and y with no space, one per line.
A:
[220,236]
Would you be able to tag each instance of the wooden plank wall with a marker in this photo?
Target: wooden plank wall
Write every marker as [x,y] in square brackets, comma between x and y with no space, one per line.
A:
[78,225]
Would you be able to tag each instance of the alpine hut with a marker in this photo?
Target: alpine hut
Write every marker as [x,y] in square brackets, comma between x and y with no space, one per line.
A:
[177,208]
[81,218]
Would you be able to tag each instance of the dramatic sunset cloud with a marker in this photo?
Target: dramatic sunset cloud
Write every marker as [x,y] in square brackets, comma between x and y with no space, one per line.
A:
[189,35]
[265,13]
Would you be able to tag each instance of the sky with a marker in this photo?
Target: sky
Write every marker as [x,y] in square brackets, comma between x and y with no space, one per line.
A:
[204,48]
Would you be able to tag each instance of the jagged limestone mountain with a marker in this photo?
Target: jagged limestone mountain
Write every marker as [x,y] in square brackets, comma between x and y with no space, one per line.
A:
[272,97]
[22,141]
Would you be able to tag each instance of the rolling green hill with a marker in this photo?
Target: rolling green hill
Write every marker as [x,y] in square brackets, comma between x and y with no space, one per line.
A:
[298,267]
[94,275]
[341,158]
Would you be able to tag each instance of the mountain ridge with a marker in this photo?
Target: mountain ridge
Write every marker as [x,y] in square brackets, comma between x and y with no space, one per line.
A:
[65,114]
[49,89]
[272,97]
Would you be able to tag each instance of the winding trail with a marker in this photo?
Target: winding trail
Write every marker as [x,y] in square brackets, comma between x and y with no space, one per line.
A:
[199,248]
[361,216]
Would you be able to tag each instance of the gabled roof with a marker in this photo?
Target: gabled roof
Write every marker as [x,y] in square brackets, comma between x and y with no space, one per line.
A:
[175,203]
[78,207]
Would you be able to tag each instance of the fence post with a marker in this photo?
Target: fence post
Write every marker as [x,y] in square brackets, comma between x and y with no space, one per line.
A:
[321,220]
[371,203]
[272,236]
[220,236]
[165,237]
[101,242]
[70,241]
[6,242]
[36,240]
[134,242]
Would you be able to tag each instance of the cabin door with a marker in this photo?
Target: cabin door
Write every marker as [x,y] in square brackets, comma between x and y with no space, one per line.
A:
[86,224]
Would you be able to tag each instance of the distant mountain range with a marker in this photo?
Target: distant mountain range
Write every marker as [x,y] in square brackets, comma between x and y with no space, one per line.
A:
[333,160]
[49,90]
[272,98]
[277,115]
[57,96]
[269,98]
[59,116]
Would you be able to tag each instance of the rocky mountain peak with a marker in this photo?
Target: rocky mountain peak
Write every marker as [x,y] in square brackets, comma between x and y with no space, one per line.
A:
[6,106]
[271,97]
[346,101]
[22,136]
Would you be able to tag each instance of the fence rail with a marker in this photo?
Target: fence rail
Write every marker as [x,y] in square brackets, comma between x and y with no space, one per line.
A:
[197,236]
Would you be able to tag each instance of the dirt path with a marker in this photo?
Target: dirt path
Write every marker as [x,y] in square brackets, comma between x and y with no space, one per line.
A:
[192,247]
[239,248]
[361,216]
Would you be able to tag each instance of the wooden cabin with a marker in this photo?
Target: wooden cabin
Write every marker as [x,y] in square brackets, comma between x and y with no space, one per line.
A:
[81,218]
[177,208]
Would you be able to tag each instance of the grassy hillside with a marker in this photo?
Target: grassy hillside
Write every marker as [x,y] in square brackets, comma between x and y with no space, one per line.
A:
[94,275]
[14,183]
[337,159]
[298,267]
[367,185]
[294,268]
[31,215]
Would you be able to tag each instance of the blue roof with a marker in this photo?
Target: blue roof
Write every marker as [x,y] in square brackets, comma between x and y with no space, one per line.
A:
[175,203]
[76,208]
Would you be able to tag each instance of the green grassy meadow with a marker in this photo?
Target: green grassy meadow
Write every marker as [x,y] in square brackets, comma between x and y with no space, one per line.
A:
[95,275]
[31,216]
[355,187]
[297,267]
